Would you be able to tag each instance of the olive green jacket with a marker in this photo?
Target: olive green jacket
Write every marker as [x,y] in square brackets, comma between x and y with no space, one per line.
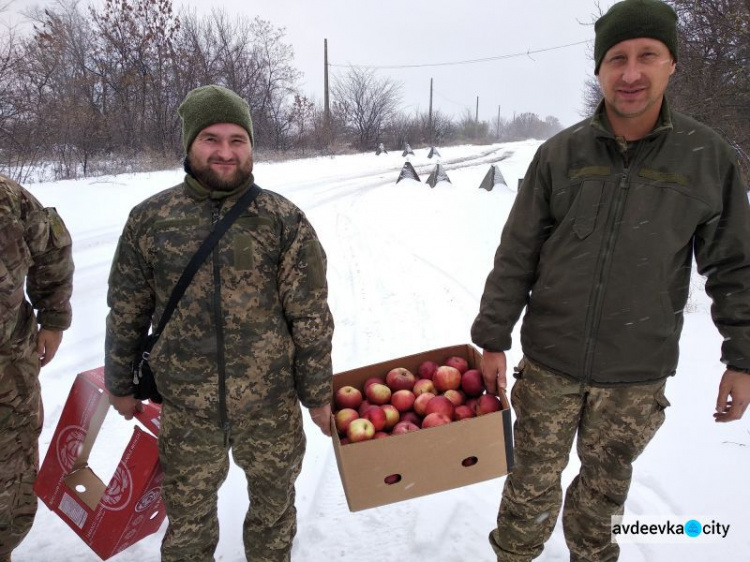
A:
[599,245]
[253,330]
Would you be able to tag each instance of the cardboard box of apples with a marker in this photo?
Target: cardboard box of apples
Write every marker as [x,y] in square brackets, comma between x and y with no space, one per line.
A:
[417,425]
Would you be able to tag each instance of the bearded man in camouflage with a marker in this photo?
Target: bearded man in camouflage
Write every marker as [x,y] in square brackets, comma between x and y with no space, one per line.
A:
[35,251]
[249,341]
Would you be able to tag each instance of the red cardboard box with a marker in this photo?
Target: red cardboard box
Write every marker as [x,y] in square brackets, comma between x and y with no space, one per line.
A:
[109,518]
[487,440]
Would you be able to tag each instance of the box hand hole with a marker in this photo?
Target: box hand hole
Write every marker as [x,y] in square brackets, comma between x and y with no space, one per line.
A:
[392,479]
[469,461]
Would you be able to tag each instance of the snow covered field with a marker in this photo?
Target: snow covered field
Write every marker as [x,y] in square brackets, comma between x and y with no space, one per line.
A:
[407,266]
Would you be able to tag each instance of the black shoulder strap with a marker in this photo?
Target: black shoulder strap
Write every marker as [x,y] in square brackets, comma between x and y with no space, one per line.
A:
[200,256]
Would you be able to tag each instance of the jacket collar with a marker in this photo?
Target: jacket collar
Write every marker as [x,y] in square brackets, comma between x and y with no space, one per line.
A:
[199,192]
[601,125]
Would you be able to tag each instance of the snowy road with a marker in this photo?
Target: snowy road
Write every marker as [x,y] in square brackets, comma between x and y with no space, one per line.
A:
[407,266]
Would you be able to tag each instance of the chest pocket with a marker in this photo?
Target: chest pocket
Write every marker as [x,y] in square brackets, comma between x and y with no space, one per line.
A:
[175,241]
[243,245]
[587,208]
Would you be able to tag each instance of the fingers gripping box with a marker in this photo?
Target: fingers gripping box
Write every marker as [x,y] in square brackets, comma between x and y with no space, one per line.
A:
[111,517]
[383,471]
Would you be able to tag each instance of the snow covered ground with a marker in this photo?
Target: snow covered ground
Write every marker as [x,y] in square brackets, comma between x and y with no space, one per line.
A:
[407,266]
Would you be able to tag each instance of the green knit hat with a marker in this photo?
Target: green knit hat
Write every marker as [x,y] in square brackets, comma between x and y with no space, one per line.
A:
[630,19]
[212,104]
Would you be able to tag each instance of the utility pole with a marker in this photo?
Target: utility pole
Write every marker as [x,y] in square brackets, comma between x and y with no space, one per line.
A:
[476,120]
[497,132]
[326,98]
[429,119]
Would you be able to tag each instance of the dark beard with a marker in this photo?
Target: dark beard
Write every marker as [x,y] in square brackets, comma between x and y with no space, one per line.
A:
[213,181]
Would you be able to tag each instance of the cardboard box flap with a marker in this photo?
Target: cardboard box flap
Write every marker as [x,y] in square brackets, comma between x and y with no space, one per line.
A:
[87,486]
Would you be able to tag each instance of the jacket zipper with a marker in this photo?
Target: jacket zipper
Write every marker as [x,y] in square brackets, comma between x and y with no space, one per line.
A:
[592,323]
[219,321]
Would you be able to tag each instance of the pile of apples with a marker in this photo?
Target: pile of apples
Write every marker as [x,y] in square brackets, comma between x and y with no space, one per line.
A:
[402,402]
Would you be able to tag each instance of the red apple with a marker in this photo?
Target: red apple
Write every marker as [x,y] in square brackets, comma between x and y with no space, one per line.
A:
[434,419]
[400,379]
[458,363]
[343,418]
[377,416]
[424,385]
[420,404]
[378,394]
[487,404]
[404,427]
[368,382]
[411,417]
[345,441]
[463,412]
[472,403]
[472,383]
[363,407]
[392,415]
[403,400]
[440,405]
[348,397]
[447,378]
[380,435]
[456,397]
[427,369]
[360,430]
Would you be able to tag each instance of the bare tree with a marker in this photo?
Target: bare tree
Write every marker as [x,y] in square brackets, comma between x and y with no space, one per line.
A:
[365,103]
[712,82]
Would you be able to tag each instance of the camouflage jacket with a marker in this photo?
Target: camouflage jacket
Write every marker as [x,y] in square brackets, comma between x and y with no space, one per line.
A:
[35,250]
[252,331]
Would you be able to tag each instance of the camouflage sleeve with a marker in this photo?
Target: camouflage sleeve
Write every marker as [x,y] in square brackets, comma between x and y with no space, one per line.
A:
[131,303]
[304,296]
[49,283]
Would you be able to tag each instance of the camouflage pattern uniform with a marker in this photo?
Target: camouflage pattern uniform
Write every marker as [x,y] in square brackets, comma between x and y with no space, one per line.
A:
[249,341]
[614,425]
[35,250]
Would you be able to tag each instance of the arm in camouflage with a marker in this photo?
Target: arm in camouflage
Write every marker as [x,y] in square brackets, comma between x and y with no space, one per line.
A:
[49,283]
[35,247]
[131,303]
[304,292]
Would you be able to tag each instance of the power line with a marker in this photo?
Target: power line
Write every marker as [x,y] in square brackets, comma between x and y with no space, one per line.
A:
[455,63]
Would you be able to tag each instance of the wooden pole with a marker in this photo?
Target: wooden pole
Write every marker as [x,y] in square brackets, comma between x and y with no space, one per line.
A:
[476,120]
[326,98]
[429,119]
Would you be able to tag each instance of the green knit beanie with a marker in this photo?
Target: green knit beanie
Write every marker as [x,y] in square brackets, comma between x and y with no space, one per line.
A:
[212,104]
[630,19]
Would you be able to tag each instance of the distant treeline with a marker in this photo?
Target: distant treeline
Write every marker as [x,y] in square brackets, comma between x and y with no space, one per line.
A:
[95,90]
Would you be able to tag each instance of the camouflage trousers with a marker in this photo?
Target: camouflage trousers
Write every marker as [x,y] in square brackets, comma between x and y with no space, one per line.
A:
[614,425]
[194,454]
[20,426]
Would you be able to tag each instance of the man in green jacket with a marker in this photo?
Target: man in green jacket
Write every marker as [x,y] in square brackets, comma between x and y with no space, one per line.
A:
[35,255]
[249,340]
[598,248]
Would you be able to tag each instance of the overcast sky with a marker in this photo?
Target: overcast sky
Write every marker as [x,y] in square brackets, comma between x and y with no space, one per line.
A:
[431,32]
